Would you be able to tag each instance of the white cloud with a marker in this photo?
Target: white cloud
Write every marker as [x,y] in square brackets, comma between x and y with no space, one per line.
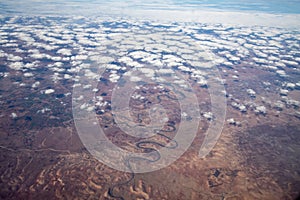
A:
[28,74]
[79,57]
[208,115]
[43,110]
[238,106]
[251,92]
[281,73]
[67,76]
[293,102]
[12,57]
[289,62]
[289,85]
[147,71]
[49,91]
[260,110]
[13,115]
[114,78]
[112,66]
[135,78]
[278,105]
[88,73]
[16,65]
[165,71]
[284,92]
[233,122]
[65,52]
[36,84]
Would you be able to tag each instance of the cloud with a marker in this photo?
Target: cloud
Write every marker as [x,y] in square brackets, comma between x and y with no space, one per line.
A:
[49,91]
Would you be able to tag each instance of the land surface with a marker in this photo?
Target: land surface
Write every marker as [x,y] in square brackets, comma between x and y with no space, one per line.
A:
[42,156]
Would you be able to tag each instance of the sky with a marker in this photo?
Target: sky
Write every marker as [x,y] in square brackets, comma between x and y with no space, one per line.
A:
[269,6]
[278,13]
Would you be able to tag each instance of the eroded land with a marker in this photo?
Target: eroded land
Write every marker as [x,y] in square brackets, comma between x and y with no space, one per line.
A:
[43,58]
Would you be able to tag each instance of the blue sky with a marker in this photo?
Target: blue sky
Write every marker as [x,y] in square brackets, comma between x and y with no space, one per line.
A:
[273,6]
[277,13]
[40,6]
